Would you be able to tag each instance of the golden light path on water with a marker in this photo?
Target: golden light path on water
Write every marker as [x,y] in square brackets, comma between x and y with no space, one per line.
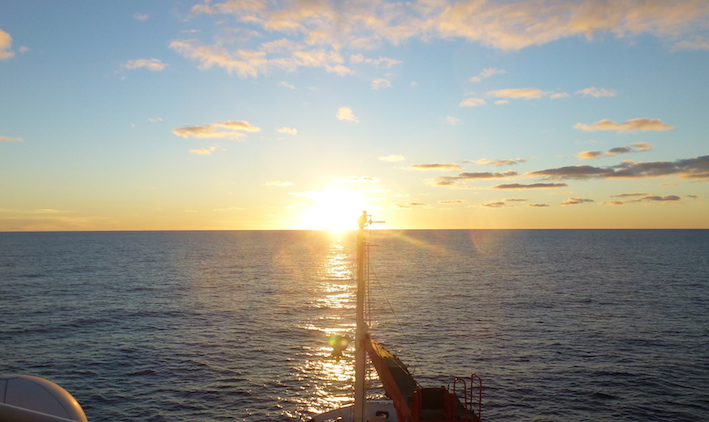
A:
[332,377]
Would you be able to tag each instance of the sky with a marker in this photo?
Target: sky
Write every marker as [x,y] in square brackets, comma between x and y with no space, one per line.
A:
[429,114]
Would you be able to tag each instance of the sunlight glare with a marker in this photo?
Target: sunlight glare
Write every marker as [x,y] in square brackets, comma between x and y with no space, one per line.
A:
[335,210]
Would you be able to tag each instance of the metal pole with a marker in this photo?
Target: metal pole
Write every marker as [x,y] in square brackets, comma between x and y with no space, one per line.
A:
[361,330]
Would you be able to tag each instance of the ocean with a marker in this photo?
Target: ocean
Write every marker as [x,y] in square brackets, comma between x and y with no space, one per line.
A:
[561,325]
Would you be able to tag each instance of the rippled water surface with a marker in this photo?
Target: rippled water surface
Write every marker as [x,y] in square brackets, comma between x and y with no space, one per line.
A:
[582,325]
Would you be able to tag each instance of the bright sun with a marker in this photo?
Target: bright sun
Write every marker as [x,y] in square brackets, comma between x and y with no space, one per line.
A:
[335,209]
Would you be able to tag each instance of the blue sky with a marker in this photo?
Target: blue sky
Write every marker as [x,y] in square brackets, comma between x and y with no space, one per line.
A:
[173,115]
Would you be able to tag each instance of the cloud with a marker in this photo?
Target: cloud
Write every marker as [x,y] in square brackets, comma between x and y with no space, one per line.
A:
[538,205]
[287,130]
[452,120]
[412,205]
[437,167]
[523,93]
[286,85]
[530,186]
[229,130]
[204,151]
[154,65]
[5,46]
[559,95]
[154,119]
[455,181]
[576,201]
[643,197]
[452,201]
[472,102]
[356,179]
[381,62]
[497,162]
[279,184]
[510,25]
[140,17]
[486,73]
[587,155]
[391,158]
[597,92]
[635,147]
[9,139]
[346,114]
[690,168]
[380,83]
[632,125]
[497,204]
[625,195]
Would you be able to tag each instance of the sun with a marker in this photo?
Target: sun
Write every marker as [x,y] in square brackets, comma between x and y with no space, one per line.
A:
[335,210]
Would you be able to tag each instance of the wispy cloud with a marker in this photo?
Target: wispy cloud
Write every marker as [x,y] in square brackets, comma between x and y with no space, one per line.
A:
[154,65]
[140,17]
[472,102]
[436,167]
[530,186]
[391,158]
[496,162]
[287,130]
[6,46]
[381,62]
[346,114]
[523,93]
[459,180]
[415,204]
[204,151]
[286,85]
[486,73]
[9,139]
[635,147]
[380,84]
[452,120]
[597,92]
[232,129]
[643,197]
[154,119]
[576,201]
[632,125]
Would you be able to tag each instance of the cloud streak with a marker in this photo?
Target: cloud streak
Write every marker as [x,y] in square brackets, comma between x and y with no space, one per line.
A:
[642,124]
[232,129]
[691,168]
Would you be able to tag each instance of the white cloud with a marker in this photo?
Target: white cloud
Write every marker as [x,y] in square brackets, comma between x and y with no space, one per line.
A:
[380,83]
[452,120]
[140,17]
[486,73]
[472,102]
[287,130]
[346,114]
[204,151]
[154,119]
[286,84]
[523,93]
[230,130]
[597,92]
[150,64]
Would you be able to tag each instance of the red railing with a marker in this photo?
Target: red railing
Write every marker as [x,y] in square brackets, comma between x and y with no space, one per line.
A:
[472,397]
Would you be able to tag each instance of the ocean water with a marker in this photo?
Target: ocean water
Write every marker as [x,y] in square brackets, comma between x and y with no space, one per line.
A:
[562,325]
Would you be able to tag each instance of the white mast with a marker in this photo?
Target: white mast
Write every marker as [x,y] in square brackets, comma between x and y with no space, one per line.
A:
[361,330]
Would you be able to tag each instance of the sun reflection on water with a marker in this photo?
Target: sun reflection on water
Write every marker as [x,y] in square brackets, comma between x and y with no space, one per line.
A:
[329,378]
